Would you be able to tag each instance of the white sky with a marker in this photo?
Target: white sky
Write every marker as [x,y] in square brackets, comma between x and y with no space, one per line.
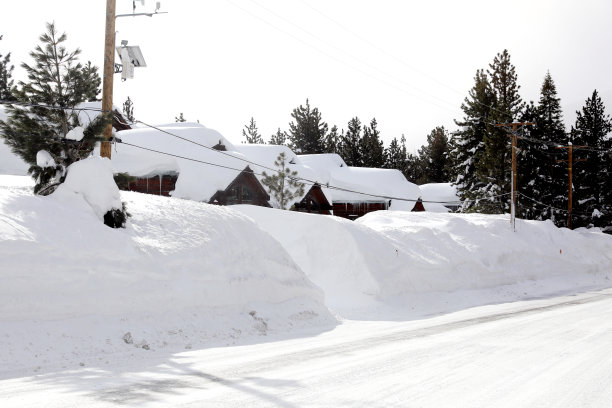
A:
[409,64]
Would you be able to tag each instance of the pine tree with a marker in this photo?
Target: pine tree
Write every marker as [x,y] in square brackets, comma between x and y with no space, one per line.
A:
[433,157]
[393,156]
[180,118]
[128,109]
[279,138]
[350,151]
[6,74]
[467,146]
[284,185]
[494,165]
[56,85]
[307,131]
[252,135]
[592,203]
[332,142]
[371,148]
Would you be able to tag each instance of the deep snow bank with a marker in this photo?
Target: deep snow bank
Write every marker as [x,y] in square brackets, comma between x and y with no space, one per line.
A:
[182,273]
[430,262]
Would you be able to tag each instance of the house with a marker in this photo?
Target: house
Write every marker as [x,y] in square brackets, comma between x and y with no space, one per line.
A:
[356,191]
[262,158]
[186,160]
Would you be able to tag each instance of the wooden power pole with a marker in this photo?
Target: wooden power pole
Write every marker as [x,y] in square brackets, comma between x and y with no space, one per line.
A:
[570,161]
[107,80]
[514,135]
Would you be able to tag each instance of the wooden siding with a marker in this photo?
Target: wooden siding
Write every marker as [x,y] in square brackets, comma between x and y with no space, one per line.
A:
[356,210]
[244,189]
[157,185]
[314,202]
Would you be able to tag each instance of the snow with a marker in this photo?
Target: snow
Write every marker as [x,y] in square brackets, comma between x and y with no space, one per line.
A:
[91,179]
[239,305]
[181,275]
[202,170]
[443,193]
[362,184]
[10,163]
[75,133]
[44,159]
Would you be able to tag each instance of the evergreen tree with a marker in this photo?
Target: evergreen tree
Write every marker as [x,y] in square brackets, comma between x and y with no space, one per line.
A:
[284,185]
[413,169]
[56,85]
[279,138]
[128,109]
[350,152]
[371,148]
[393,156]
[252,135]
[541,177]
[180,118]
[6,74]
[493,167]
[433,158]
[307,131]
[467,146]
[333,141]
[592,203]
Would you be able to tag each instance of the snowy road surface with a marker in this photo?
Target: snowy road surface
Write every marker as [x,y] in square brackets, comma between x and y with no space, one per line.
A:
[553,352]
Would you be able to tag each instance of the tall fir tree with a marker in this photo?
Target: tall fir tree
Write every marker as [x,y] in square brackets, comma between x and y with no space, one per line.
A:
[541,177]
[57,83]
[307,131]
[591,179]
[6,77]
[467,145]
[279,138]
[251,134]
[372,149]
[349,151]
[494,166]
[433,157]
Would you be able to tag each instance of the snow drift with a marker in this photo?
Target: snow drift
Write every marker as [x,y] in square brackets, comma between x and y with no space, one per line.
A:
[180,275]
[405,263]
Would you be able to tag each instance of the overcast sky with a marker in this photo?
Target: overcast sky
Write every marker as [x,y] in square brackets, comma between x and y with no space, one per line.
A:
[409,64]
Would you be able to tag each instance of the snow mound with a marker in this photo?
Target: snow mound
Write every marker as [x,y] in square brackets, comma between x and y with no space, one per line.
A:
[182,274]
[91,179]
[396,258]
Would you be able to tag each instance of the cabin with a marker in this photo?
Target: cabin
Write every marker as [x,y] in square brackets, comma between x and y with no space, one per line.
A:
[244,189]
[262,157]
[314,202]
[197,164]
[361,190]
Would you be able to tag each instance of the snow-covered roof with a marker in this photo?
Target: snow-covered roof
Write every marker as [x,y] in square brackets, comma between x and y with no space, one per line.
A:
[264,157]
[441,192]
[323,164]
[202,170]
[369,184]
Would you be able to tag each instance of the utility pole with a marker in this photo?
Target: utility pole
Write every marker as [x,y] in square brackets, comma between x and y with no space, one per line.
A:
[109,71]
[570,162]
[514,134]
